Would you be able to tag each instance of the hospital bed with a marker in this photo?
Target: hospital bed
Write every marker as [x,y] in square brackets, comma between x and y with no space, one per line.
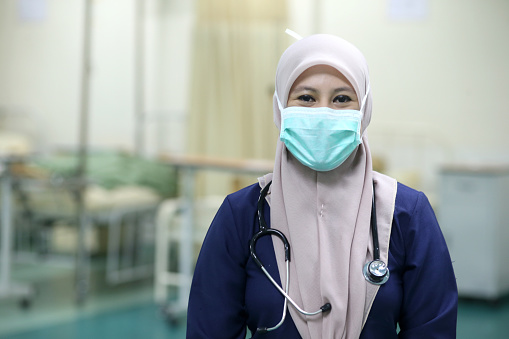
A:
[183,222]
[125,207]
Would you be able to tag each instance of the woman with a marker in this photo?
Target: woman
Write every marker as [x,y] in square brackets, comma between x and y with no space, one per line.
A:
[321,198]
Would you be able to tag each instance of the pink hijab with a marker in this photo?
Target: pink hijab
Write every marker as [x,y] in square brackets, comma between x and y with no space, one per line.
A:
[326,215]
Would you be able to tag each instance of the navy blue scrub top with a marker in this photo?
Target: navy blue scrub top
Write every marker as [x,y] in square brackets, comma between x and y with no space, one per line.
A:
[229,292]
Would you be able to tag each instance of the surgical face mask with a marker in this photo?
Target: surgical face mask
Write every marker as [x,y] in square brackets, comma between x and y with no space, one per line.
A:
[321,138]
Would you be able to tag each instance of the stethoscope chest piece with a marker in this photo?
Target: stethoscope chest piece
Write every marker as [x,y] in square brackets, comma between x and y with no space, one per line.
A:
[376,272]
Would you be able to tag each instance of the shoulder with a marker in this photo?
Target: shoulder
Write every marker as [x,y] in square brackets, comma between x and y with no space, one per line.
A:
[409,201]
[237,215]
[413,214]
[244,198]
[414,218]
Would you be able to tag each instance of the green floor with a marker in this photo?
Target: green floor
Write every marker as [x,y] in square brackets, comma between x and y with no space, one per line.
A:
[122,311]
[128,311]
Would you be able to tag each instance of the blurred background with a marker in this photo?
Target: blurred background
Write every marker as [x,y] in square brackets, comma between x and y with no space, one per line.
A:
[124,123]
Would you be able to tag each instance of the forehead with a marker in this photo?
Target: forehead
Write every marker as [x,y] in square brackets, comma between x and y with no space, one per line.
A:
[324,74]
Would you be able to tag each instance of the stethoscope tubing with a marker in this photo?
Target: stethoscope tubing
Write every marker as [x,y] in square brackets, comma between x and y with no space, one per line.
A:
[287,297]
[285,305]
[374,228]
[265,230]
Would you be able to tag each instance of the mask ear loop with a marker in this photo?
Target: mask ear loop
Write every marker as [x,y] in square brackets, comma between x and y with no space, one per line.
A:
[278,102]
[364,100]
[362,107]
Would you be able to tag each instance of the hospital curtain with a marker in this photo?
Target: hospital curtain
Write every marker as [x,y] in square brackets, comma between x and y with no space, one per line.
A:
[236,47]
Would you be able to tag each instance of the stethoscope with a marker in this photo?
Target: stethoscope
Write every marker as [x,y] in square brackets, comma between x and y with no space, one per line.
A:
[375,272]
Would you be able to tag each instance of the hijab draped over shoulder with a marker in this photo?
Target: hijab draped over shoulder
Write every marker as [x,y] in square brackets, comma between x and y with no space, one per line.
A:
[326,215]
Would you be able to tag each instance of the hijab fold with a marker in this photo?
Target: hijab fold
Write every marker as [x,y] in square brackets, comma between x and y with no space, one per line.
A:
[326,215]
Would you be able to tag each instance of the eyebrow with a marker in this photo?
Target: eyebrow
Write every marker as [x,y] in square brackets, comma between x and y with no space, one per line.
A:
[314,90]
[344,89]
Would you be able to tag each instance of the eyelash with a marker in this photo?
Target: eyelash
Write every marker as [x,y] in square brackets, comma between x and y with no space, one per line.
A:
[306,98]
[343,98]
[339,98]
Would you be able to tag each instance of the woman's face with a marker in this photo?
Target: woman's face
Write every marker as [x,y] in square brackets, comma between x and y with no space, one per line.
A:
[323,86]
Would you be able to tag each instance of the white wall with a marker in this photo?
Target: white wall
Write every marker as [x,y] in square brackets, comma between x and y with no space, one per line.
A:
[169,35]
[439,82]
[40,66]
[41,60]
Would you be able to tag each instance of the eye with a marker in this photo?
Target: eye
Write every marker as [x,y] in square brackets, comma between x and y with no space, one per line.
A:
[306,98]
[342,99]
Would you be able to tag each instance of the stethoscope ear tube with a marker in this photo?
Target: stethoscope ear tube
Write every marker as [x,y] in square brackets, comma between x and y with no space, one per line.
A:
[260,204]
[263,232]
